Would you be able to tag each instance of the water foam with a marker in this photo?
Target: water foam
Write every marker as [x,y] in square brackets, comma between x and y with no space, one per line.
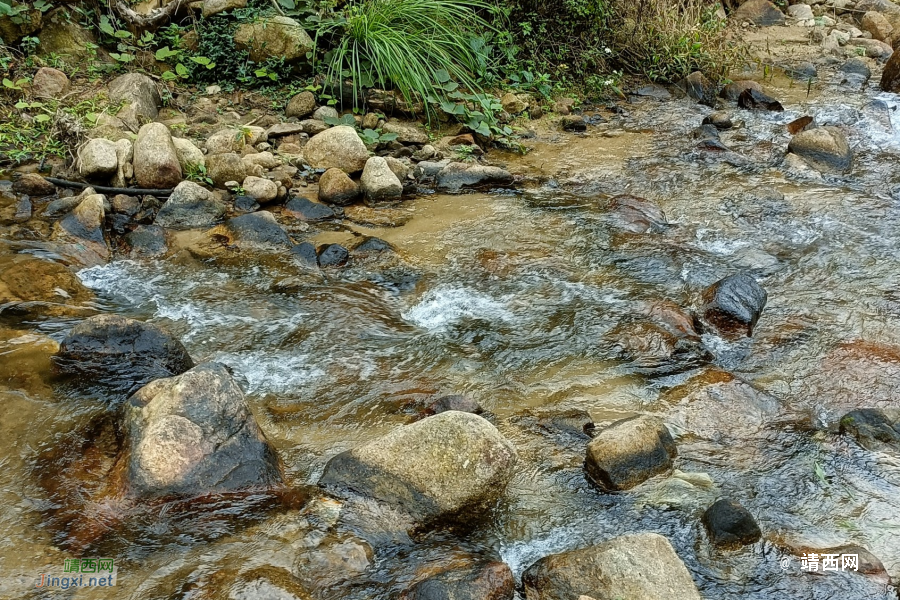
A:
[446,305]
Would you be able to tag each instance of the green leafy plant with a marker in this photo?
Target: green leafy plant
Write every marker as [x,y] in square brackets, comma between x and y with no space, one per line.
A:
[375,136]
[423,48]
[198,174]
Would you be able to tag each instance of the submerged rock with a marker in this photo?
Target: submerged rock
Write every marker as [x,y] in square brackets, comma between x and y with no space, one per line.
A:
[254,231]
[122,353]
[636,215]
[642,566]
[825,148]
[489,581]
[456,176]
[730,525]
[261,583]
[307,210]
[194,434]
[732,306]
[754,99]
[80,232]
[333,255]
[190,207]
[629,452]
[652,349]
[147,241]
[40,287]
[449,467]
[455,402]
[33,185]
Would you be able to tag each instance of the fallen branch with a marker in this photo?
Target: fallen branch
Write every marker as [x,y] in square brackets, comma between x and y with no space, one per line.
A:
[102,189]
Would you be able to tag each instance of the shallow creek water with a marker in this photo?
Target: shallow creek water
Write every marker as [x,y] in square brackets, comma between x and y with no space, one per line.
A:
[506,297]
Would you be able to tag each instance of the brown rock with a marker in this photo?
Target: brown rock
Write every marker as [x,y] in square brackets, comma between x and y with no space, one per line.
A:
[890,78]
[336,187]
[629,452]
[49,83]
[378,217]
[300,106]
[733,90]
[489,581]
[156,163]
[33,184]
[878,25]
[758,12]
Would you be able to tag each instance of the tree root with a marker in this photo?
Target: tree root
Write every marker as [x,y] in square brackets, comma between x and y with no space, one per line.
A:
[101,189]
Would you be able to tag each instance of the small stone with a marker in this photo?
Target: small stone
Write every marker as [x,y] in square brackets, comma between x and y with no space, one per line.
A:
[573,123]
[146,241]
[379,183]
[263,190]
[97,159]
[325,112]
[49,83]
[254,231]
[733,305]
[33,185]
[733,90]
[719,120]
[338,147]
[753,99]
[301,106]
[513,104]
[214,7]
[224,168]
[730,525]
[305,253]
[245,204]
[333,255]
[190,206]
[455,402]
[825,148]
[336,187]
[407,133]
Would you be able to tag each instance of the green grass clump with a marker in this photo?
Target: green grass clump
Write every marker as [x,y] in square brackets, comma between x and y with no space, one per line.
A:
[423,48]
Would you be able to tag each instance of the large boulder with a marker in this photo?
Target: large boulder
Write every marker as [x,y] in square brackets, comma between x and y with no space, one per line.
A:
[336,187]
[629,452]
[123,353]
[641,566]
[280,37]
[758,12]
[63,37]
[80,232]
[339,147]
[190,207]
[156,164]
[140,95]
[732,306]
[97,160]
[378,181]
[457,175]
[452,466]
[825,148]
[194,434]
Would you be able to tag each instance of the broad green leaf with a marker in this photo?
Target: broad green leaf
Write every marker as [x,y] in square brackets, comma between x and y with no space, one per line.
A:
[442,75]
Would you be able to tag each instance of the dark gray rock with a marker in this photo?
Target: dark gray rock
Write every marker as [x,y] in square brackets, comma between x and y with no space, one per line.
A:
[824,148]
[121,353]
[732,306]
[651,349]
[190,207]
[307,210]
[758,12]
[855,73]
[804,71]
[730,525]
[257,231]
[146,241]
[629,452]
[333,255]
[305,253]
[653,91]
[573,123]
[733,90]
[245,204]
[372,245]
[194,434]
[699,88]
[456,176]
[721,120]
[455,402]
[753,99]
[873,429]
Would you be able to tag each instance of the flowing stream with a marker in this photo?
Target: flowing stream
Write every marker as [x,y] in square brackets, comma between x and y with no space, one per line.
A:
[508,297]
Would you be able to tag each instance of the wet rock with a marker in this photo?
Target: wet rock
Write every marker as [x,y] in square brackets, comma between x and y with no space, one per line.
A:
[456,176]
[801,124]
[855,73]
[214,7]
[123,353]
[33,185]
[636,215]
[305,253]
[753,99]
[268,37]
[147,241]
[60,206]
[573,123]
[97,160]
[641,566]
[301,106]
[262,190]
[258,231]
[653,90]
[28,279]
[629,452]
[868,563]
[372,245]
[379,183]
[307,210]
[156,164]
[336,187]
[194,434]
[140,94]
[222,168]
[874,429]
[82,229]
[489,581]
[338,147]
[651,349]
[333,255]
[733,90]
[720,120]
[261,583]
[824,148]
[190,207]
[699,88]
[730,525]
[452,466]
[706,132]
[49,83]
[455,402]
[759,12]
[890,77]
[333,563]
[407,133]
[732,306]
[190,157]
[877,25]
[245,204]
